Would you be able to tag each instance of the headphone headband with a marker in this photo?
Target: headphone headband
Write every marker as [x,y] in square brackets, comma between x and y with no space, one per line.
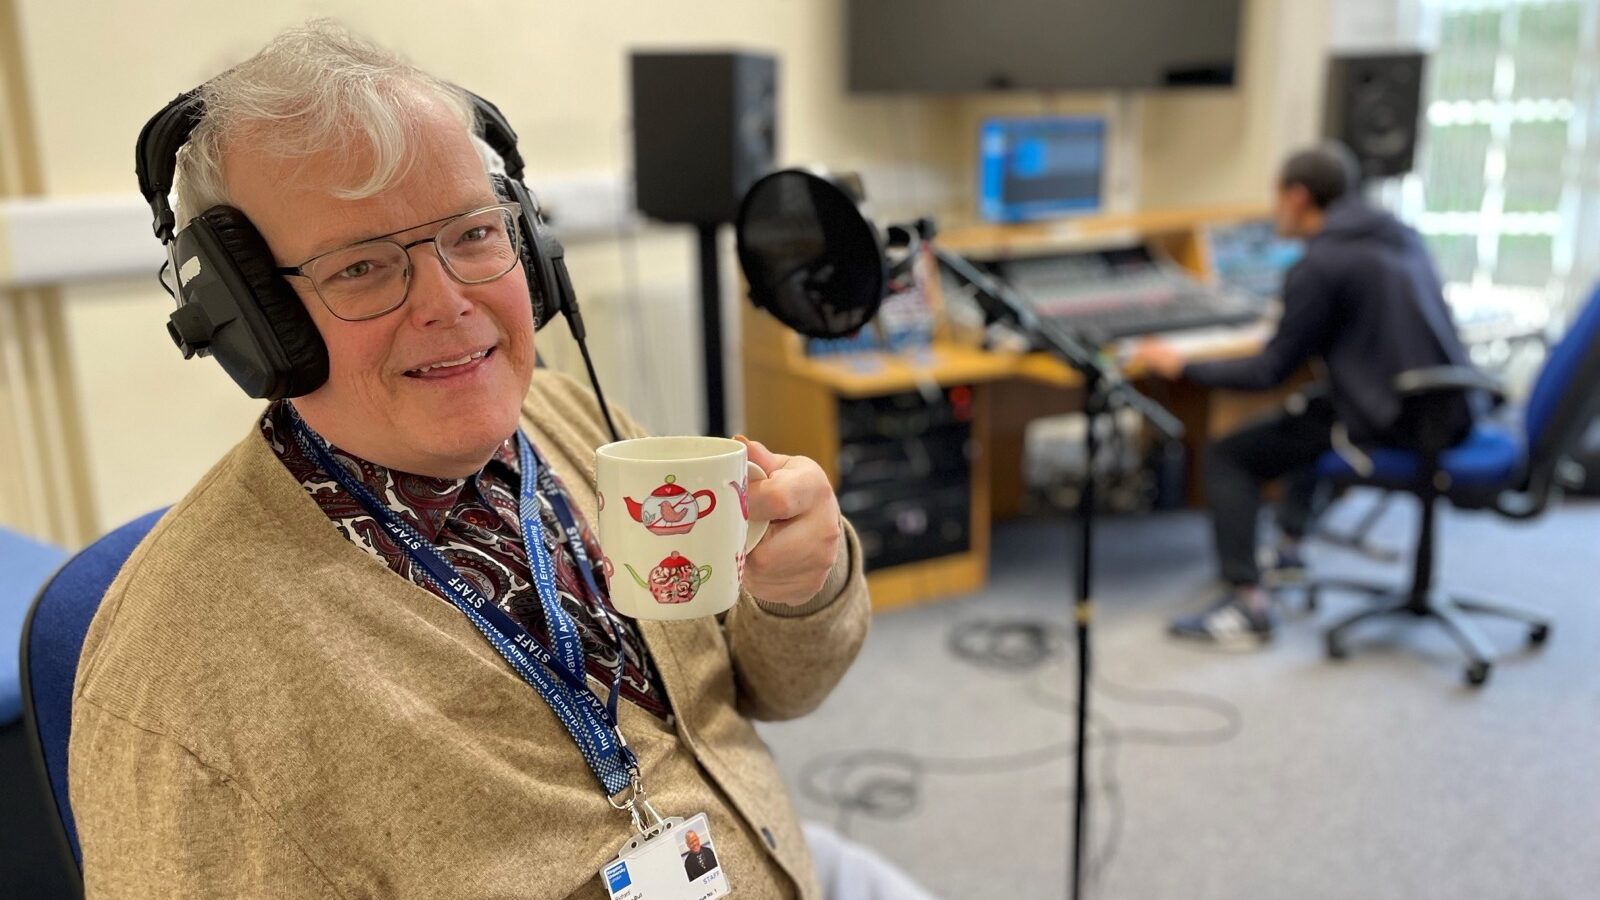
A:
[497,132]
[156,152]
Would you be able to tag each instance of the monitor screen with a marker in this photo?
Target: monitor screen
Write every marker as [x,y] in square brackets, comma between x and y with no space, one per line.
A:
[1027,45]
[1250,257]
[1038,168]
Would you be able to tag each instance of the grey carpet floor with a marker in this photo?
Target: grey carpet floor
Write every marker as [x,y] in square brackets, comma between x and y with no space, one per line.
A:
[1272,775]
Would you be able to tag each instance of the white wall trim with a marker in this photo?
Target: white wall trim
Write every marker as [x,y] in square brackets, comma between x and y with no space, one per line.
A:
[61,240]
[64,240]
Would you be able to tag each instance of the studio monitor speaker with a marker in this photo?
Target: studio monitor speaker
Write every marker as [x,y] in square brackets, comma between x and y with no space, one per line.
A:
[1374,106]
[704,129]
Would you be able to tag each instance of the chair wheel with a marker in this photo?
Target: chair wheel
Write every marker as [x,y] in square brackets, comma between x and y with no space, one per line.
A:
[1477,674]
[1538,634]
[1335,648]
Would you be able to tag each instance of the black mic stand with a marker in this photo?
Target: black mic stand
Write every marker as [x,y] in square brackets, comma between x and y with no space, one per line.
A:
[1001,304]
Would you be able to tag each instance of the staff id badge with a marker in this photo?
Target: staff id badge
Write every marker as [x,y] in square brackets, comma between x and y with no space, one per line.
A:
[677,861]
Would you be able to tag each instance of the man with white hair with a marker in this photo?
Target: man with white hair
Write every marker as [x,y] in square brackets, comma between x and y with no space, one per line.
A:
[277,698]
[699,858]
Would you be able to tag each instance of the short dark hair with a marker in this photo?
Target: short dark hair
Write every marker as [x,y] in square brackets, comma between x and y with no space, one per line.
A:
[1327,172]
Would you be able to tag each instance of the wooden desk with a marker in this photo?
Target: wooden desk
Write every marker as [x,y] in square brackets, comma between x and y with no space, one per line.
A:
[876,374]
[792,400]
[793,405]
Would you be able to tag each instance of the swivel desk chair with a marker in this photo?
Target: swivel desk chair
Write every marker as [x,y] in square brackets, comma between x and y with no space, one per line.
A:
[1358,537]
[27,814]
[1512,470]
[52,640]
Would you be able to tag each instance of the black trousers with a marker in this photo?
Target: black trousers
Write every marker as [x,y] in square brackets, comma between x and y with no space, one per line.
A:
[1284,445]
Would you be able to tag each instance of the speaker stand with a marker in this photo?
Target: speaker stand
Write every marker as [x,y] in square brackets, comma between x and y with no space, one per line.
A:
[711,329]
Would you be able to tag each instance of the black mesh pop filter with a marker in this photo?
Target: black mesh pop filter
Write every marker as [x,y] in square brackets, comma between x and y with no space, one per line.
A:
[812,260]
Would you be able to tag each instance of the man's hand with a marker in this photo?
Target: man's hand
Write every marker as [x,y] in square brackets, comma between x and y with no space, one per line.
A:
[793,560]
[1157,357]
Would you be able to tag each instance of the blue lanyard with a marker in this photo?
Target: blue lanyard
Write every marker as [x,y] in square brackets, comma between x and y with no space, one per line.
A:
[592,724]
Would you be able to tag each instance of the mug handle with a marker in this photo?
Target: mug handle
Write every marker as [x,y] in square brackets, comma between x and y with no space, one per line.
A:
[758,527]
[709,495]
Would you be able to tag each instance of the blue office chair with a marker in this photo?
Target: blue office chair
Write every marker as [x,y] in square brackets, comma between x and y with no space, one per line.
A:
[1358,537]
[27,814]
[52,640]
[27,563]
[1513,471]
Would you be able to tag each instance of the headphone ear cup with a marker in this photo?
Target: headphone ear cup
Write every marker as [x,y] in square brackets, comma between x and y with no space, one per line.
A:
[537,250]
[280,336]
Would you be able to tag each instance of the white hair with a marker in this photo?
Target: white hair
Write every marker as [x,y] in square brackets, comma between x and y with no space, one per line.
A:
[313,88]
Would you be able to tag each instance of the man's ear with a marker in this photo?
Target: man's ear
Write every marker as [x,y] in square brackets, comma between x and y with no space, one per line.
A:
[1299,198]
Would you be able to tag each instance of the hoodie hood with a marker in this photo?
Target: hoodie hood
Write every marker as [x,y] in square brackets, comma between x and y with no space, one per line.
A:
[1351,219]
[1366,300]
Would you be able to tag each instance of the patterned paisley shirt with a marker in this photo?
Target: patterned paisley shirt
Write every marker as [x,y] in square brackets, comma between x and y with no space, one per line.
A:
[473,523]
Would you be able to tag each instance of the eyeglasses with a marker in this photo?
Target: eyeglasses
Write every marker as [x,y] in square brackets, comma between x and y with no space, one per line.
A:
[373,278]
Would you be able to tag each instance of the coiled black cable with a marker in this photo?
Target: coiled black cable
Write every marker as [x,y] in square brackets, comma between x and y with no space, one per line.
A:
[887,784]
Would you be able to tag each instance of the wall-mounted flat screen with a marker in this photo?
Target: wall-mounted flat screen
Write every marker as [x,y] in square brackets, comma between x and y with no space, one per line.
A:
[984,45]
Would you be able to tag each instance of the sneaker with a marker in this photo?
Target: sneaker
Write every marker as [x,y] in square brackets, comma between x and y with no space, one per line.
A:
[1282,566]
[1230,624]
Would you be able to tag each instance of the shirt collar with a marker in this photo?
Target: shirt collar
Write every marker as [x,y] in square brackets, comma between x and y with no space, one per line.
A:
[424,500]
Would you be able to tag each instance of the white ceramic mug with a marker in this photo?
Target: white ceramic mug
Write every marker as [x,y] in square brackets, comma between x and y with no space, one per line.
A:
[674,525]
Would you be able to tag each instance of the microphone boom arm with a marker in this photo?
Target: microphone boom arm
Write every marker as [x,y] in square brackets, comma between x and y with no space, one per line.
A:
[1102,384]
[1000,303]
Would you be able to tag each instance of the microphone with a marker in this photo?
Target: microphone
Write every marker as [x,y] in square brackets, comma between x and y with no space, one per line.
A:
[819,266]
[812,259]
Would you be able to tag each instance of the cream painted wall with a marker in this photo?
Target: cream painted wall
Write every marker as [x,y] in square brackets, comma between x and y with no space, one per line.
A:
[1225,146]
[1224,131]
[1199,147]
[558,70]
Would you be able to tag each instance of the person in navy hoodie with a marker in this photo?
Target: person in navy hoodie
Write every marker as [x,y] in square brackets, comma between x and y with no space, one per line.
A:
[1363,304]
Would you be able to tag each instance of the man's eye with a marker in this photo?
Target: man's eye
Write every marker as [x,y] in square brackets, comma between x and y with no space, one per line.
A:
[356,270]
[476,234]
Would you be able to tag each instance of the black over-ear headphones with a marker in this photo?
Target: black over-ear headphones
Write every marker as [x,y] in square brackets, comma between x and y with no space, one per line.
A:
[234,306]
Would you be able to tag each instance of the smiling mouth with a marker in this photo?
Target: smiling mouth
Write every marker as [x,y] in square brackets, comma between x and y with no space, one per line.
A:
[451,366]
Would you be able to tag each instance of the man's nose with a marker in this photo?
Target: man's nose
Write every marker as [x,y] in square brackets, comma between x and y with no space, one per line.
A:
[436,298]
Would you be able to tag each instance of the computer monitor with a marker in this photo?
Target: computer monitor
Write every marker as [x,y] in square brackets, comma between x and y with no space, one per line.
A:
[1039,168]
[1250,257]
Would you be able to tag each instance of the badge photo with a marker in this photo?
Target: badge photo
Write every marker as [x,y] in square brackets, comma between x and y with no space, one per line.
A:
[678,861]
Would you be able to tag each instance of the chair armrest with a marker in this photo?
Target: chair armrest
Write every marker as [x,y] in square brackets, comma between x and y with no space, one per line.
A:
[1438,379]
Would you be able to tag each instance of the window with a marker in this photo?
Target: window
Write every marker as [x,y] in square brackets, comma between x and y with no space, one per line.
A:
[1506,138]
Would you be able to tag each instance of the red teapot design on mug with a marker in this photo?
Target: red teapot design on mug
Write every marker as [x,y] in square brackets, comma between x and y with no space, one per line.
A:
[670,508]
[673,580]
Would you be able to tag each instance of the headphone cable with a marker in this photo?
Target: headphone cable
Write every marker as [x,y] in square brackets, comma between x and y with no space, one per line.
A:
[579,333]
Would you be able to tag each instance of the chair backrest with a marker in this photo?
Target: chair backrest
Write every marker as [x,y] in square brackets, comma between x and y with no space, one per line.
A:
[52,640]
[1565,397]
[26,564]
